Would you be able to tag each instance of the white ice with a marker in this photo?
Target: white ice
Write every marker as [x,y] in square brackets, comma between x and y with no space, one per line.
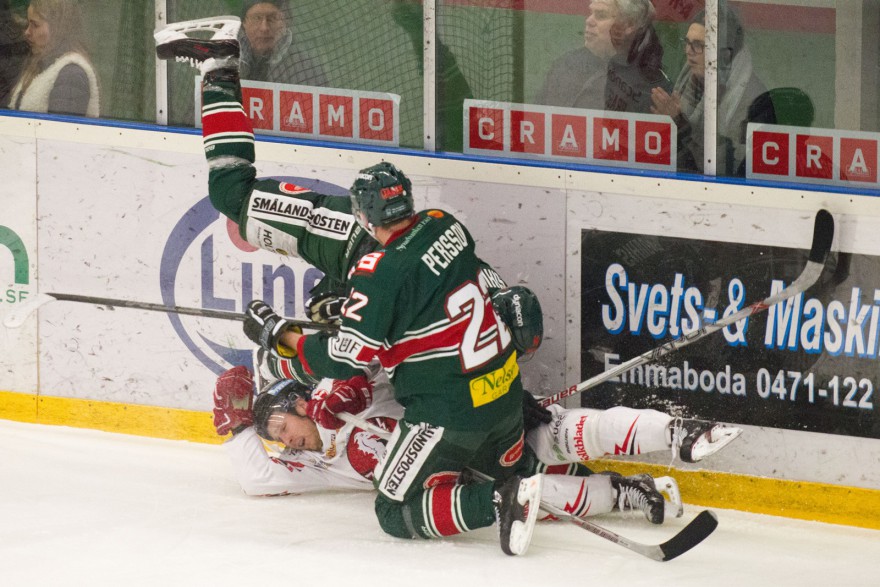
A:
[81,507]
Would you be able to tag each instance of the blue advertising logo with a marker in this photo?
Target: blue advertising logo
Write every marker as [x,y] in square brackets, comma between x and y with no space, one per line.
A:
[205,257]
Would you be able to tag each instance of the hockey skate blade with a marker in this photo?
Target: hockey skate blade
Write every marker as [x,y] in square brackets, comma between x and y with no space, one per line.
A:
[695,532]
[17,317]
[521,532]
[226,26]
[713,441]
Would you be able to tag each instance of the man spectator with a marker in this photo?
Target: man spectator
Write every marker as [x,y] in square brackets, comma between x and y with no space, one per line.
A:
[618,65]
[268,50]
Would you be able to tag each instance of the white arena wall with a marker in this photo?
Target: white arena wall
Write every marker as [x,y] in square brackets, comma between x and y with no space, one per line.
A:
[117,212]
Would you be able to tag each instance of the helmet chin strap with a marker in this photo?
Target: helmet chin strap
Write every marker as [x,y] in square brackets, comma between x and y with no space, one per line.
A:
[366,224]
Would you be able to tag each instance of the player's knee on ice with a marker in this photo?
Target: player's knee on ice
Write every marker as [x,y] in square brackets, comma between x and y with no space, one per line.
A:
[453,509]
[392,520]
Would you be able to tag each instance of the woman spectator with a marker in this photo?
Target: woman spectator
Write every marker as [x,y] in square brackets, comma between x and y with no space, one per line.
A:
[13,48]
[738,88]
[58,76]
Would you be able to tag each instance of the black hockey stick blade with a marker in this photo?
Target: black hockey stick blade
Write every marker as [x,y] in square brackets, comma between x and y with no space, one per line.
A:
[691,535]
[823,234]
[688,537]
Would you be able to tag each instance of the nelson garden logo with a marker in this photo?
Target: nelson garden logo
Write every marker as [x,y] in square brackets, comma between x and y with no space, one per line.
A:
[17,289]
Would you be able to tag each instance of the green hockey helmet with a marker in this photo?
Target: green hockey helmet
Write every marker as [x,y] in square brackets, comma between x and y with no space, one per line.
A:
[519,309]
[277,397]
[381,195]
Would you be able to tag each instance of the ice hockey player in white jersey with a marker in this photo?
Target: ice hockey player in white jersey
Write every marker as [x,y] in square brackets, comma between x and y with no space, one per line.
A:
[321,452]
[309,457]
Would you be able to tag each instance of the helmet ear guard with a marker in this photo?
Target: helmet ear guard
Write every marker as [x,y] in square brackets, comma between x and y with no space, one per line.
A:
[519,308]
[277,397]
[381,195]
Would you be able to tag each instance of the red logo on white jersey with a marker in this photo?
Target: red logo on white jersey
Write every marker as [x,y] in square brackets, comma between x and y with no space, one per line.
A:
[292,466]
[364,451]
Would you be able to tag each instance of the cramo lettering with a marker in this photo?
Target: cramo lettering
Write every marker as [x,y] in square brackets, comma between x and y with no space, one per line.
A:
[445,249]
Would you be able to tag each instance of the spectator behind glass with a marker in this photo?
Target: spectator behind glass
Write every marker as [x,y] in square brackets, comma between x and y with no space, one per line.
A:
[268,53]
[58,76]
[618,65]
[738,89]
[13,49]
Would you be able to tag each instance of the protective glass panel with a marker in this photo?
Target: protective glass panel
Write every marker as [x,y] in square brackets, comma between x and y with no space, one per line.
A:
[818,62]
[776,66]
[89,58]
[479,55]
[362,47]
[579,81]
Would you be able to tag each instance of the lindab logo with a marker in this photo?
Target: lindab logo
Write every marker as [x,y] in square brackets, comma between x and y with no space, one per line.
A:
[16,290]
[206,264]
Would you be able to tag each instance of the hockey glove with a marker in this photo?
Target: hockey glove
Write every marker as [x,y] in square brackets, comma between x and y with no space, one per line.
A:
[233,401]
[352,396]
[325,308]
[534,414]
[264,327]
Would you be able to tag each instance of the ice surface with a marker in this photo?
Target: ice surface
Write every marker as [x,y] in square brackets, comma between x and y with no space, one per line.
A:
[80,507]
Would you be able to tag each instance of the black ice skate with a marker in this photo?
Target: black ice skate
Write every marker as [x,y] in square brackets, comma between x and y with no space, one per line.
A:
[638,492]
[697,439]
[517,502]
[221,50]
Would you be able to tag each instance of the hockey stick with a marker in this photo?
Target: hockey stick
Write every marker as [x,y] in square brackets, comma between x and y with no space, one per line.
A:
[18,315]
[688,537]
[823,235]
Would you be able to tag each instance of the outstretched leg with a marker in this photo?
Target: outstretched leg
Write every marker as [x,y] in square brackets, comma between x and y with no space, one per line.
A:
[227,131]
[585,434]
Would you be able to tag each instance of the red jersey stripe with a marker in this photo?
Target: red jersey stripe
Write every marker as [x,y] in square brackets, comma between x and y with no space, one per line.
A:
[217,122]
[441,509]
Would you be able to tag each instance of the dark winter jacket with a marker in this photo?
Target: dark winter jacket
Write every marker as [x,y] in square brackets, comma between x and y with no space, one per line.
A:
[632,76]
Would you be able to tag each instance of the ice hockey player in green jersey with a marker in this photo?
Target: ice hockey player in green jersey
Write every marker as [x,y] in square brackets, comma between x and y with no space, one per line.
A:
[418,305]
[421,306]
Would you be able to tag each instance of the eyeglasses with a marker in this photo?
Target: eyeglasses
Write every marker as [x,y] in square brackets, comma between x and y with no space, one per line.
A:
[270,19]
[695,46]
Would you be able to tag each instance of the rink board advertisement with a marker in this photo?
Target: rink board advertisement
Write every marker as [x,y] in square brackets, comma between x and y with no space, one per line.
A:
[145,231]
[122,213]
[18,261]
[808,363]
